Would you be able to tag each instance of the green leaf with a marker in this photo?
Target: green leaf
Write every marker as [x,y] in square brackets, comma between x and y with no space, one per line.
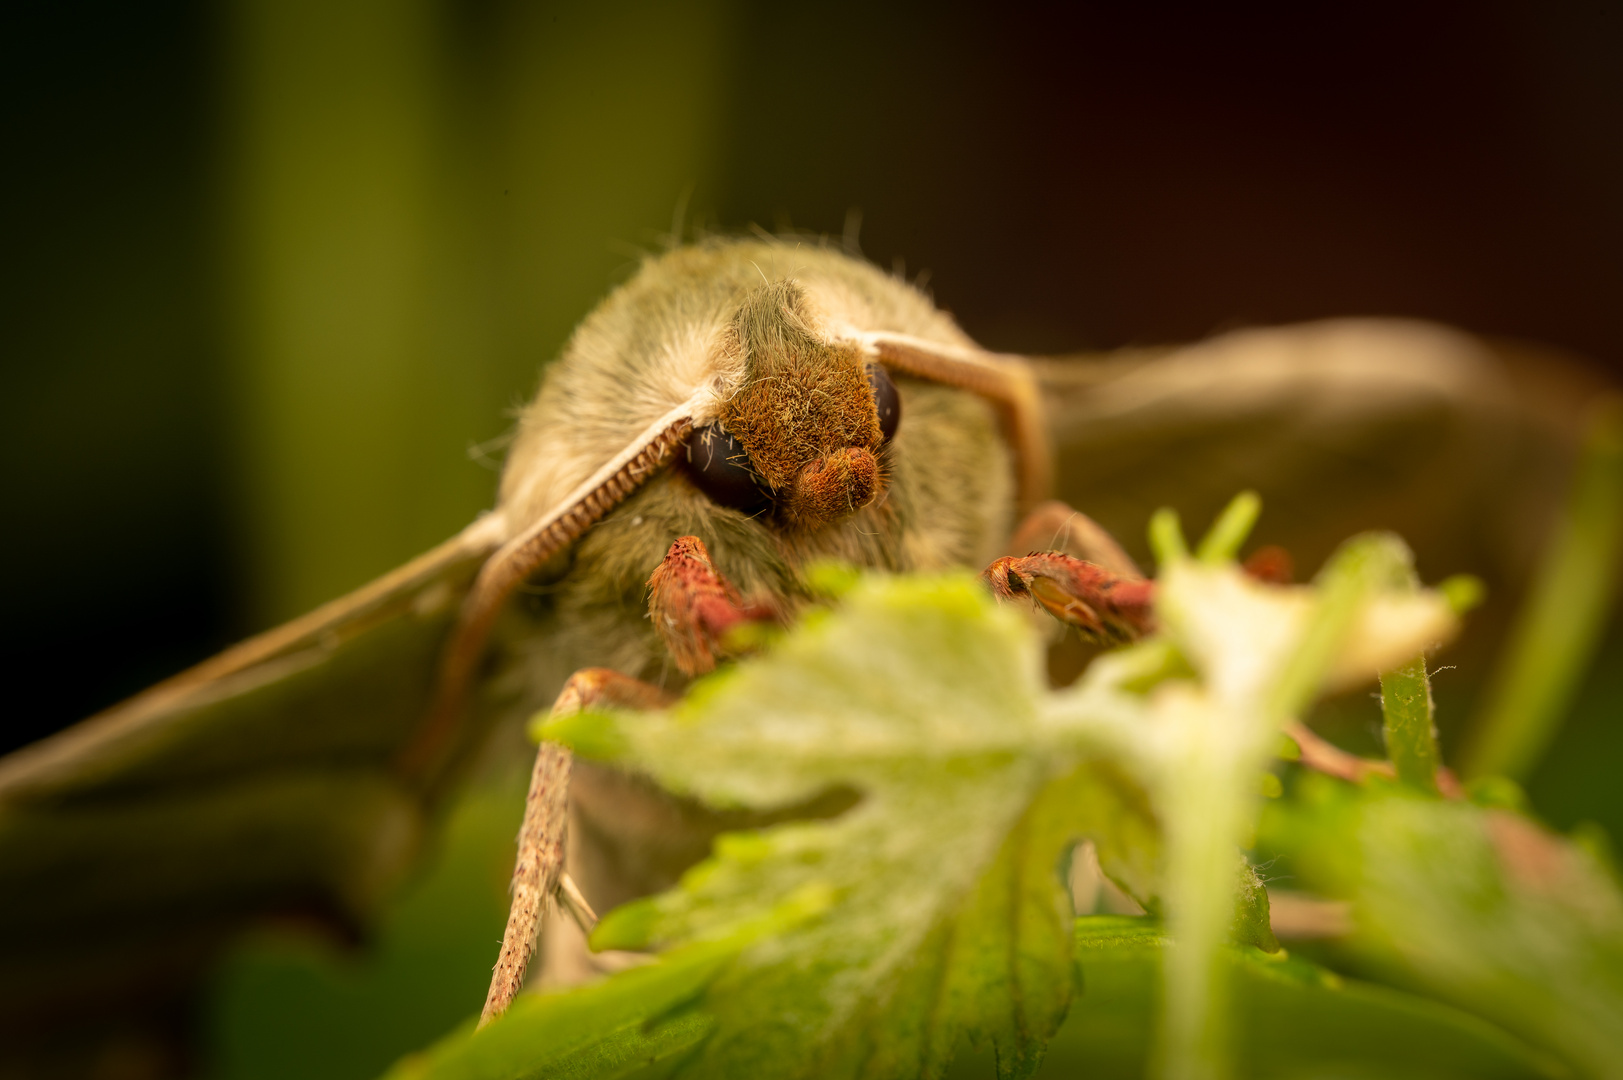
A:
[600,1031]
[1290,1015]
[638,1018]
[934,912]
[1222,543]
[1261,652]
[1478,906]
[951,920]
[1291,1018]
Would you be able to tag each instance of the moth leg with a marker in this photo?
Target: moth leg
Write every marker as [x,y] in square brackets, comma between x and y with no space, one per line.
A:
[1105,607]
[1055,526]
[695,609]
[538,871]
[1089,582]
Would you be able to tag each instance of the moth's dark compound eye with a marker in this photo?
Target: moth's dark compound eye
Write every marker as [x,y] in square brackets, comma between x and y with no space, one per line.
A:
[722,470]
[888,400]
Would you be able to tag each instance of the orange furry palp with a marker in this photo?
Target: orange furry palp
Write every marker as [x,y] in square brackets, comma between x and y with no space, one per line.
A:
[807,413]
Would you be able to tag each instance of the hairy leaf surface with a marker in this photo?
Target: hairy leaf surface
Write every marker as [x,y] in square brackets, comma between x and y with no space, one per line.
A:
[950,917]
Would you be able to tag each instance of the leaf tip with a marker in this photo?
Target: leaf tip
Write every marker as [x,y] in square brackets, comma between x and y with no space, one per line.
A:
[1166,537]
[1463,592]
[1222,541]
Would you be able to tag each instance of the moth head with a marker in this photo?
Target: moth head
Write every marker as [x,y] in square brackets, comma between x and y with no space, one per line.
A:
[790,418]
[805,428]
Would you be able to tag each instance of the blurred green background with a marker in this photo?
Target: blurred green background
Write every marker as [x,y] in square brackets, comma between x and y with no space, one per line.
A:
[276,273]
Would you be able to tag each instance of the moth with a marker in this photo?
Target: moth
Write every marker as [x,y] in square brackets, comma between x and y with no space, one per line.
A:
[783,402]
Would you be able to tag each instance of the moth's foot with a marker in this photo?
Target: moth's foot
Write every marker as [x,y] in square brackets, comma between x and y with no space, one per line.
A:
[695,609]
[1077,573]
[1105,607]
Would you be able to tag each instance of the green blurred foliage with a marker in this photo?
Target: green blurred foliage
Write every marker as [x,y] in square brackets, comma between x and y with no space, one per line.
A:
[1292,1018]
[1577,780]
[1471,905]
[1561,625]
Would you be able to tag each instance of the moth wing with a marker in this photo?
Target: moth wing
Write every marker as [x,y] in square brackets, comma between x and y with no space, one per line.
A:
[260,779]
[292,773]
[1462,446]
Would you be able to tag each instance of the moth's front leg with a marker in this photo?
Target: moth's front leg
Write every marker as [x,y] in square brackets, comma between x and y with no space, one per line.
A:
[695,609]
[1105,607]
[538,871]
[1079,574]
[1089,583]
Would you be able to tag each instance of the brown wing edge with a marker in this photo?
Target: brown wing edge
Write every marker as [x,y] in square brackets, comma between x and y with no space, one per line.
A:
[34,770]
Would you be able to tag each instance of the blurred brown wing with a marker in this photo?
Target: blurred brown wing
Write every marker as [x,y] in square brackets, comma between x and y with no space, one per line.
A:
[1462,446]
[291,773]
[260,780]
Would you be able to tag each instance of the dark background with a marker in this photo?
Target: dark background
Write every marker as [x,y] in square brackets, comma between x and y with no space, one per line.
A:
[1069,176]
